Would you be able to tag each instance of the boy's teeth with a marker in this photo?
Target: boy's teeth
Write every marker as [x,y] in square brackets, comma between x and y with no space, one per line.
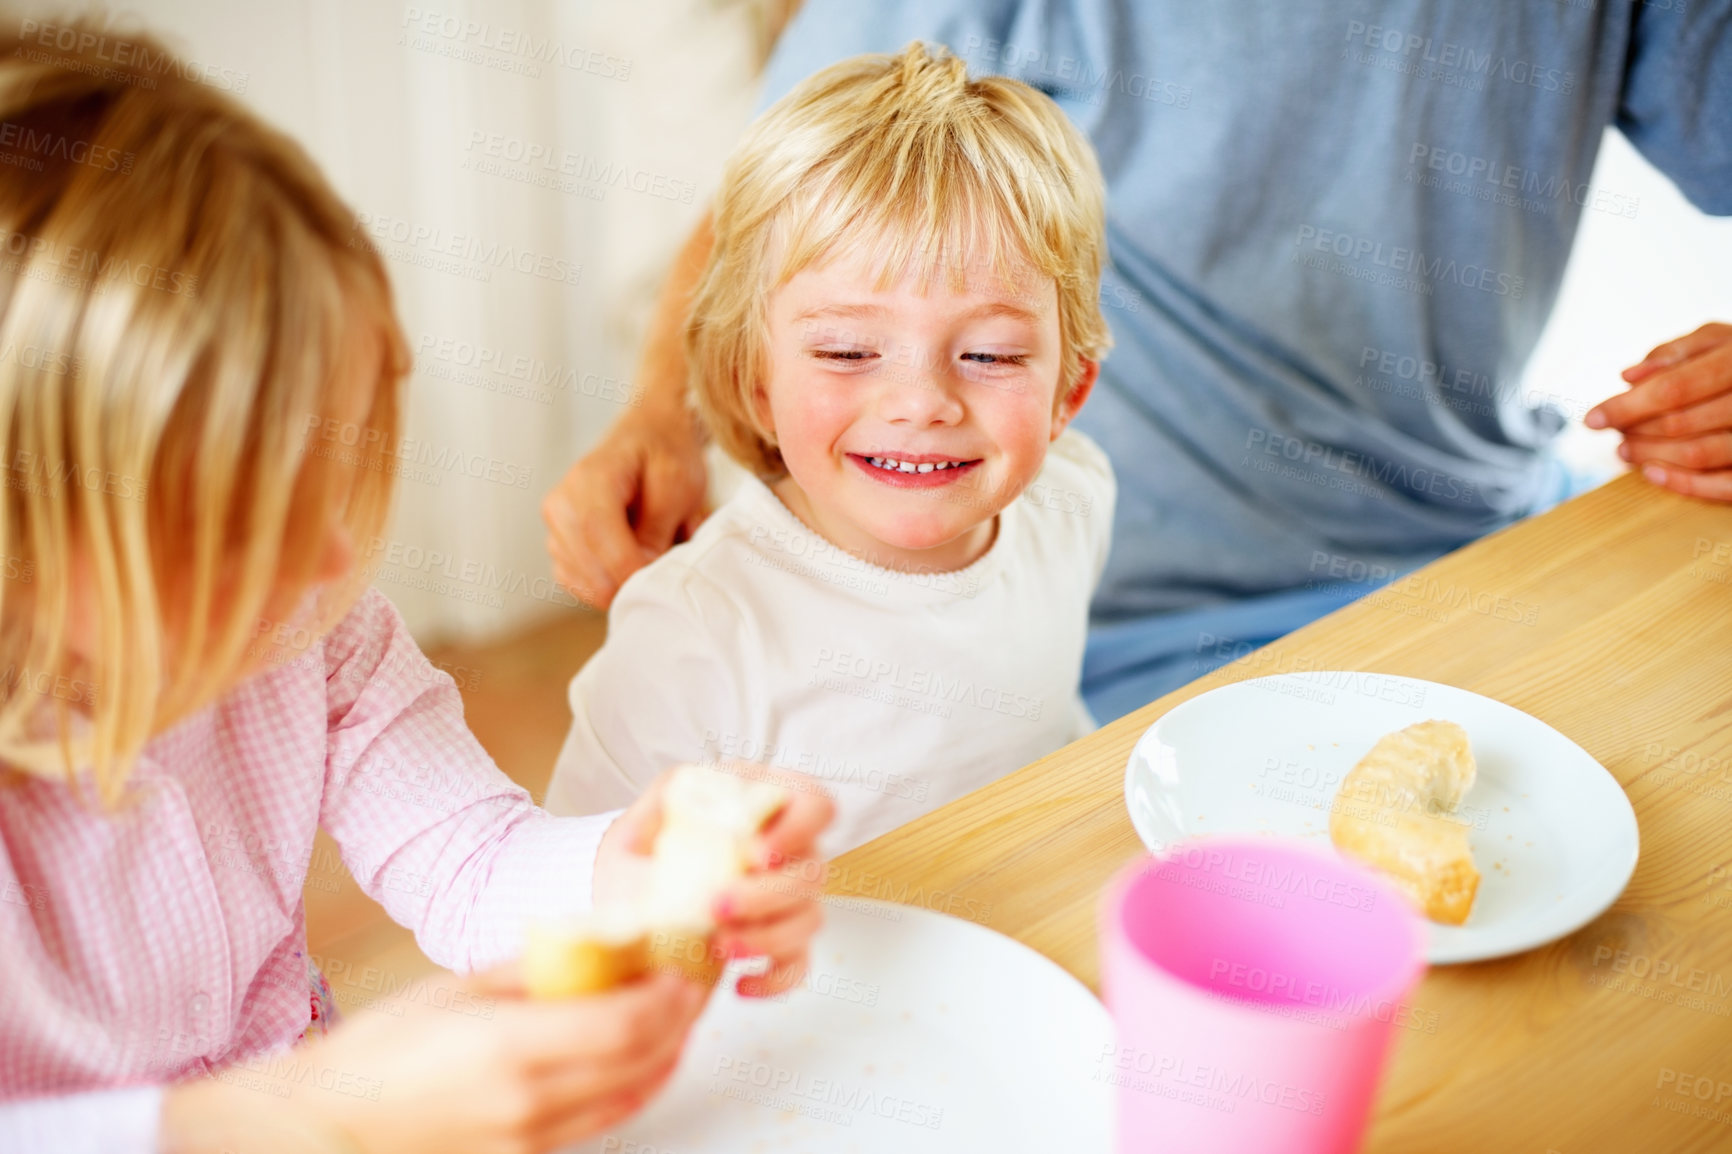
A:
[895,466]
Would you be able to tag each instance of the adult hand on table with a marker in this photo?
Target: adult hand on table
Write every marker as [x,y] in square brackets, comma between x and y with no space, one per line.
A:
[1677,416]
[502,1076]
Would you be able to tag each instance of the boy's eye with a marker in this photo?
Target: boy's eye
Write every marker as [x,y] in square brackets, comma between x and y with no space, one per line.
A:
[996,358]
[843,354]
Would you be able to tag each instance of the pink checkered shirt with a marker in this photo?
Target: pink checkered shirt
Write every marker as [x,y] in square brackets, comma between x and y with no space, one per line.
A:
[167,938]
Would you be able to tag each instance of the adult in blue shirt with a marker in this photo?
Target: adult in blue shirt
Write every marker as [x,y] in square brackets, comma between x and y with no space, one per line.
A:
[1337,228]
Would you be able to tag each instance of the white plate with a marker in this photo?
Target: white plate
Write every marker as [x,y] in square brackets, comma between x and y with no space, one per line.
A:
[1554,836]
[913,1032]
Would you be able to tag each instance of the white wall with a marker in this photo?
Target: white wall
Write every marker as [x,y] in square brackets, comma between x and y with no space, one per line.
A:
[393,113]
[1632,283]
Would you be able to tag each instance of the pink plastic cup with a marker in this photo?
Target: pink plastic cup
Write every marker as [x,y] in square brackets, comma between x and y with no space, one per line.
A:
[1253,983]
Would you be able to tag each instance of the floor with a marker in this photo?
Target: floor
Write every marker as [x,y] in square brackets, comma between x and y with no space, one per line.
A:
[514,700]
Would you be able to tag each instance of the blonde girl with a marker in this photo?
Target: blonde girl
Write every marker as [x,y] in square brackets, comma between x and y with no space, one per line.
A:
[193,680]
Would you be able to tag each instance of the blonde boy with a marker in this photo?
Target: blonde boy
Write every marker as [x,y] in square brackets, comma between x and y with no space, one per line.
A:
[899,318]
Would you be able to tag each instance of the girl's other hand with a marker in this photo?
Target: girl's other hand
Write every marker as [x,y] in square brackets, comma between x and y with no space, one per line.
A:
[518,1077]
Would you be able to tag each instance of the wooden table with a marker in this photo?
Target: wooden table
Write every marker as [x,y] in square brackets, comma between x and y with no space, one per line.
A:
[1581,1045]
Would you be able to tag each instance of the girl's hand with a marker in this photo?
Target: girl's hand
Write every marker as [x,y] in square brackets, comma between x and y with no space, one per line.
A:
[503,1076]
[774,910]
[771,912]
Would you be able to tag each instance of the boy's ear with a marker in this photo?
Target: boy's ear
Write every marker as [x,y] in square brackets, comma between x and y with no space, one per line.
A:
[1073,400]
[761,410]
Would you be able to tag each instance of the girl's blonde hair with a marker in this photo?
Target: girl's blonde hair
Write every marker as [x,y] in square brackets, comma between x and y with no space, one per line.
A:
[183,299]
[906,157]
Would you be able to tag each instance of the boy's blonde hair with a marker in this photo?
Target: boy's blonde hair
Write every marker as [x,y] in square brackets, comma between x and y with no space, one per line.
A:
[907,155]
[182,298]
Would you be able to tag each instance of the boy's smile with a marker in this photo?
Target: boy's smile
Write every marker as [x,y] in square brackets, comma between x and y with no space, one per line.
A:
[909,416]
[913,470]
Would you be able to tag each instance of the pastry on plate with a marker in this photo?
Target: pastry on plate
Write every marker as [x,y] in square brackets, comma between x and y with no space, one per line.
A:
[1393,812]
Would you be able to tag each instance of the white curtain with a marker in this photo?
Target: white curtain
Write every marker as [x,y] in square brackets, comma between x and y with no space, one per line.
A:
[527,168]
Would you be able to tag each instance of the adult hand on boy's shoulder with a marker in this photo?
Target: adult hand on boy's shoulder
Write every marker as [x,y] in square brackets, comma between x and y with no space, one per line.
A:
[625,502]
[642,487]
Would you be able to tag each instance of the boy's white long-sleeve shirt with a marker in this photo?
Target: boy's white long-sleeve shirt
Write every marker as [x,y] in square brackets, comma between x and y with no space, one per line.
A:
[759,640]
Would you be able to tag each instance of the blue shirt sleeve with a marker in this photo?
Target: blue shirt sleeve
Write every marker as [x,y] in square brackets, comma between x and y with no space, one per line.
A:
[1677,100]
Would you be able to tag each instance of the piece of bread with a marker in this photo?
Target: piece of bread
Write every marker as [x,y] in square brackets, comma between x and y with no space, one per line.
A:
[1392,814]
[691,953]
[709,818]
[584,955]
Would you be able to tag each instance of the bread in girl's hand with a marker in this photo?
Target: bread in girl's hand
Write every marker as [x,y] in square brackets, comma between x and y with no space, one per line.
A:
[709,818]
[690,953]
[1392,813]
[585,954]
